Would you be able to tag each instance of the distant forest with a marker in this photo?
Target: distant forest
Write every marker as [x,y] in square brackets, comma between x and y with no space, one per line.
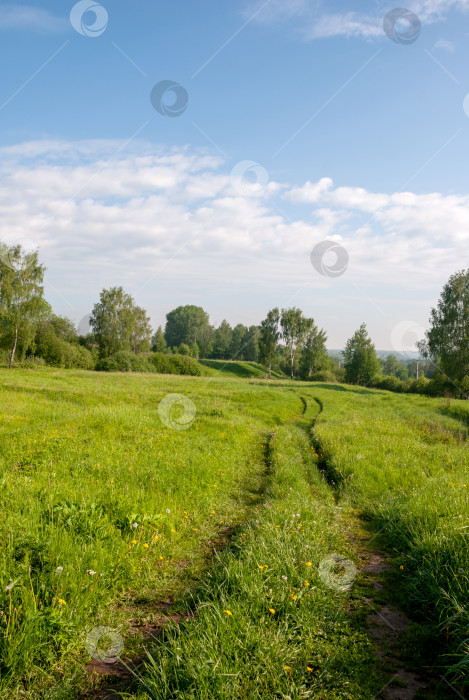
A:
[286,342]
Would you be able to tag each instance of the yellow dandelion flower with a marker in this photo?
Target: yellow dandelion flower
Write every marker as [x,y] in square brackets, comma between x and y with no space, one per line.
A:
[294,597]
[134,541]
[401,567]
[272,610]
[228,612]
[308,563]
[62,602]
[161,557]
[306,583]
[287,668]
[173,530]
[310,670]
[145,545]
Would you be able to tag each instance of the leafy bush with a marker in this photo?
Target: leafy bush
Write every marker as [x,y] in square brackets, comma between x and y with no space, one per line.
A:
[33,361]
[390,383]
[125,361]
[58,352]
[419,386]
[324,376]
[175,364]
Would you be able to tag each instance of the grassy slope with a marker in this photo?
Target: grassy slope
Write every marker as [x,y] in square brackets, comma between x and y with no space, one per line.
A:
[237,368]
[84,456]
[403,463]
[265,624]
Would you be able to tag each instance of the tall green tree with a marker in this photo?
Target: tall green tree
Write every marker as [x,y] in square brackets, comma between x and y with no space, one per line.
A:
[22,303]
[314,355]
[140,337]
[392,367]
[250,350]
[189,324]
[222,338]
[269,336]
[158,342]
[237,341]
[119,324]
[295,328]
[447,340]
[360,360]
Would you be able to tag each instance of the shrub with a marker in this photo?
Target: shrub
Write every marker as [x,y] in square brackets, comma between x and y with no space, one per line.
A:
[184,365]
[419,386]
[389,383]
[324,376]
[125,361]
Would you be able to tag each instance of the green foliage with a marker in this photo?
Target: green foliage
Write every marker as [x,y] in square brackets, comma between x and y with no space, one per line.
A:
[392,367]
[158,342]
[447,340]
[295,328]
[118,324]
[222,338]
[56,341]
[237,341]
[314,357]
[360,361]
[161,363]
[268,338]
[22,302]
[189,324]
[184,349]
[325,375]
[194,351]
[250,351]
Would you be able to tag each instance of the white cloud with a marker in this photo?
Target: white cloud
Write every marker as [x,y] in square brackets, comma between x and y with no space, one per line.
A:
[28,17]
[320,23]
[172,223]
[445,45]
[349,24]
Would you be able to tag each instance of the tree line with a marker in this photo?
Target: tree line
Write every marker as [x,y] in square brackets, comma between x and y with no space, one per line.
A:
[285,341]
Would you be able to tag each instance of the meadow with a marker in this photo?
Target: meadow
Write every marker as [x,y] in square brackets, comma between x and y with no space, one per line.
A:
[206,545]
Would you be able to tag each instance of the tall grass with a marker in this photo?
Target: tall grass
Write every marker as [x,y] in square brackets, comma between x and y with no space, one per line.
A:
[101,501]
[404,464]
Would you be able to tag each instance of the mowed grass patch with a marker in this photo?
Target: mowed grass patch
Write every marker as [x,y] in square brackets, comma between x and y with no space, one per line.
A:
[403,462]
[101,502]
[265,624]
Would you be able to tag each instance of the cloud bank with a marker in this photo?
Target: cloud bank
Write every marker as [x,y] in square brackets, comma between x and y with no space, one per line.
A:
[91,208]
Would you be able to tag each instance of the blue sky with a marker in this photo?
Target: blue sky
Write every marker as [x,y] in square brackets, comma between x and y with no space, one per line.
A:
[355,138]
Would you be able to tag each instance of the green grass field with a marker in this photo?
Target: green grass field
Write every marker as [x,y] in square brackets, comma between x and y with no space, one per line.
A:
[223,527]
